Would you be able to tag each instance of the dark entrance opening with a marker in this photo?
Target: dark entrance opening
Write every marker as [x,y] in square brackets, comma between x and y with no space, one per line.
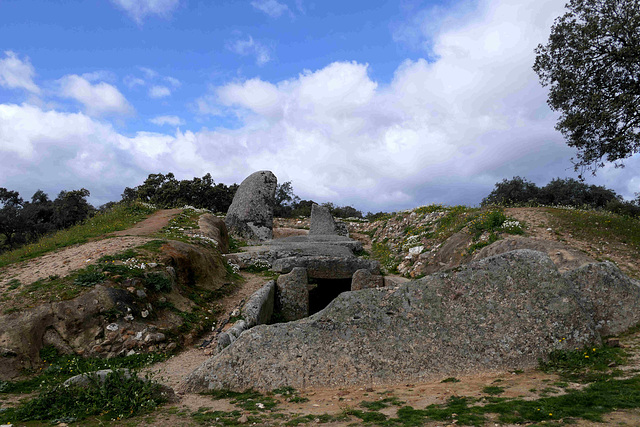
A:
[323,291]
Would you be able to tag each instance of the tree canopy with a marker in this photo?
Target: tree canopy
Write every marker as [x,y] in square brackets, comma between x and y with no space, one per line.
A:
[591,65]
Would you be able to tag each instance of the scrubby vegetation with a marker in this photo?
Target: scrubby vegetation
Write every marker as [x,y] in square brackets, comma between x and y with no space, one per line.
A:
[119,396]
[560,192]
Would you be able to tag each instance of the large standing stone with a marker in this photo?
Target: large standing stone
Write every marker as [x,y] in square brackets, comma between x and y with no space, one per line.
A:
[251,212]
[501,313]
[321,221]
[292,295]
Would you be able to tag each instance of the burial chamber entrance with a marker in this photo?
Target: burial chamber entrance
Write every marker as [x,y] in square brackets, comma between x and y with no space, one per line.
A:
[323,291]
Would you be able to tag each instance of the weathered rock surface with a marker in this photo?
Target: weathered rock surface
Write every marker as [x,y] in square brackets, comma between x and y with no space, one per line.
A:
[270,253]
[73,323]
[322,239]
[502,312]
[214,228]
[321,221]
[259,307]
[363,279]
[563,256]
[292,294]
[251,212]
[193,264]
[101,376]
[326,267]
[608,295]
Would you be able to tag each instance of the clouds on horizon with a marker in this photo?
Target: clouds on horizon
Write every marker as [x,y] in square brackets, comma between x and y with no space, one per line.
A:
[440,131]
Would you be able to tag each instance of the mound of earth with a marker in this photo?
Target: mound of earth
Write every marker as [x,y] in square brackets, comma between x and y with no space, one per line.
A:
[154,301]
[502,312]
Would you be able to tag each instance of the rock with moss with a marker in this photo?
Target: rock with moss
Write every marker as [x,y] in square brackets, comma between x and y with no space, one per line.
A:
[500,313]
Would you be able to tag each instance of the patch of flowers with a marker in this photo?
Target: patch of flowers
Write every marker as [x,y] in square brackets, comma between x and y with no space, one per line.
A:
[235,268]
[197,210]
[135,263]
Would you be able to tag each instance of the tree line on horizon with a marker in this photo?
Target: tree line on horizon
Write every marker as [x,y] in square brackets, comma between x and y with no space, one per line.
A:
[23,222]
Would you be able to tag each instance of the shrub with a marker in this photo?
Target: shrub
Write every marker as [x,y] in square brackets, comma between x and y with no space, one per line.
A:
[158,282]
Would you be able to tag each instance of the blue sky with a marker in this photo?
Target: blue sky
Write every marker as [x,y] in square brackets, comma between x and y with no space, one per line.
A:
[380,104]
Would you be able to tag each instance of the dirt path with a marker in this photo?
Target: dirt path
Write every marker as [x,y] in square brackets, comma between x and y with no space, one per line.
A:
[173,371]
[64,261]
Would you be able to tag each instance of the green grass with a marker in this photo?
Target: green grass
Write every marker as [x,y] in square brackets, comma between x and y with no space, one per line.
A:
[493,390]
[586,365]
[120,217]
[59,367]
[116,398]
[382,253]
[450,380]
[591,403]
[599,226]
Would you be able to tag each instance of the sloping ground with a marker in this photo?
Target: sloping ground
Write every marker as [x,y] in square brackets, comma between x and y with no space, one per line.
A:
[119,295]
[63,262]
[433,238]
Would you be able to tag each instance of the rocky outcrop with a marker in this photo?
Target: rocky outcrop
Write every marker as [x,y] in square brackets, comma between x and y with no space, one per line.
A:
[214,228]
[564,257]
[194,264]
[502,312]
[250,215]
[292,295]
[610,297]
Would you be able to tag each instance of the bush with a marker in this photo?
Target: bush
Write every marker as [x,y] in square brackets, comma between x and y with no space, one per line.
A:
[157,282]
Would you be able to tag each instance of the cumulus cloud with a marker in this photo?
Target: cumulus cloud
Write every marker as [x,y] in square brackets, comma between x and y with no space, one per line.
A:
[167,120]
[271,7]
[441,131]
[250,47]
[98,99]
[159,92]
[16,73]
[140,9]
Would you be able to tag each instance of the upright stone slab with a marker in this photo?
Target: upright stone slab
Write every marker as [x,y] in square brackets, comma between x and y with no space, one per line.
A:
[250,215]
[292,295]
[321,221]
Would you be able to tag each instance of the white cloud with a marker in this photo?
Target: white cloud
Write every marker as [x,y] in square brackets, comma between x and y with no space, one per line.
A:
[102,75]
[132,81]
[442,131]
[140,9]
[98,99]
[16,73]
[159,92]
[271,7]
[251,47]
[167,120]
[173,81]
